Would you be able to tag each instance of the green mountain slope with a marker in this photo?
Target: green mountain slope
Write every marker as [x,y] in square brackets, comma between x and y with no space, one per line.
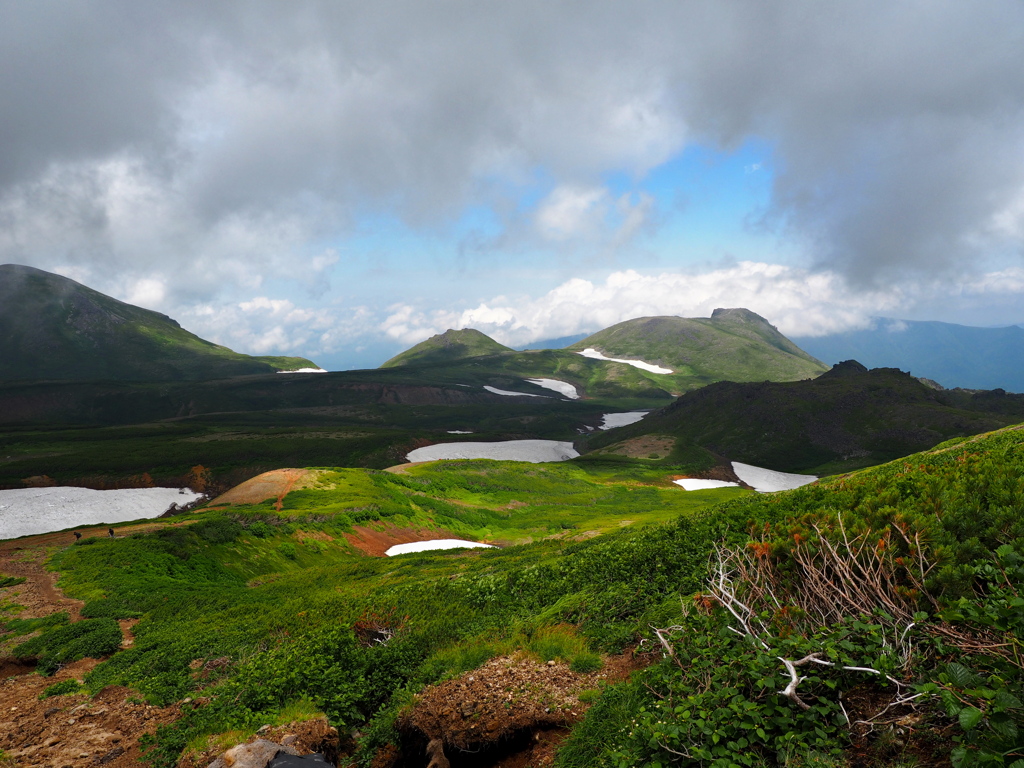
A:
[295,615]
[849,417]
[52,328]
[446,347]
[731,345]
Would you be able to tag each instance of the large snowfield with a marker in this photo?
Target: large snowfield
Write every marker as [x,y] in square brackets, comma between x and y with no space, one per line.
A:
[30,511]
[534,451]
[650,367]
[767,480]
[425,546]
[613,420]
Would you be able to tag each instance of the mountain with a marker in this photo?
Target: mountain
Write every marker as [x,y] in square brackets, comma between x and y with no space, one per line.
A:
[52,328]
[731,345]
[953,355]
[849,417]
[447,347]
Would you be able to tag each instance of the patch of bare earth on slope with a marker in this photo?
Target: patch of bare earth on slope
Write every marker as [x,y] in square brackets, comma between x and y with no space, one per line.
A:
[379,539]
[275,484]
[71,730]
[511,712]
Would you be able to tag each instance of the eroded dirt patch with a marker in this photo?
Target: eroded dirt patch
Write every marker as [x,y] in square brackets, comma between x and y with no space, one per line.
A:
[510,712]
[377,541]
[74,730]
[275,484]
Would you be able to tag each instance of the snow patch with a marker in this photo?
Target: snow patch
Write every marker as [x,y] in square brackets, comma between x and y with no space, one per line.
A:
[561,387]
[768,480]
[613,420]
[696,484]
[513,394]
[30,511]
[305,370]
[534,451]
[595,355]
[460,432]
[424,546]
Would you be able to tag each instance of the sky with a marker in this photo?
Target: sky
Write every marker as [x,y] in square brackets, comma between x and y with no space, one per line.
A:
[341,180]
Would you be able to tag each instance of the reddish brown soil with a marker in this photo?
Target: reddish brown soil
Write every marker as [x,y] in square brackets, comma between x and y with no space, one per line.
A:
[74,730]
[517,707]
[376,541]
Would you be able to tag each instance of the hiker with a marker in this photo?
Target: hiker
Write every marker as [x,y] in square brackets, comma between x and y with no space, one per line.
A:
[110,532]
[77,535]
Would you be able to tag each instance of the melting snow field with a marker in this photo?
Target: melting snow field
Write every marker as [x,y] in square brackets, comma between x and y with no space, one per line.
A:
[595,355]
[460,432]
[534,451]
[305,370]
[28,511]
[511,394]
[423,546]
[695,484]
[561,387]
[767,480]
[613,420]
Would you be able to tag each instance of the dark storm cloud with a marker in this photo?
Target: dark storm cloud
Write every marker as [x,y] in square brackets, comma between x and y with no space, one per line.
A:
[186,134]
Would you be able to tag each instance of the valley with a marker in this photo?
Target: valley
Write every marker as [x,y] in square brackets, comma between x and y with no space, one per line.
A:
[636,589]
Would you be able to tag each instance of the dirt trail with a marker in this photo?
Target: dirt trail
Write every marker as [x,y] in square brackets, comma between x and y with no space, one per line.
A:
[72,730]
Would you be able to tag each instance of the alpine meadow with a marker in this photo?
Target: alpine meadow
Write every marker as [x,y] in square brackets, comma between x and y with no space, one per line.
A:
[565,384]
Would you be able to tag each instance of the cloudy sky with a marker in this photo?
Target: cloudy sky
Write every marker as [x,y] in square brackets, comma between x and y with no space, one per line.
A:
[342,179]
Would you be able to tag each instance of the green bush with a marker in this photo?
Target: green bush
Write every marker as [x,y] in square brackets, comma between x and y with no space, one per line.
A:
[586,662]
[62,688]
[71,642]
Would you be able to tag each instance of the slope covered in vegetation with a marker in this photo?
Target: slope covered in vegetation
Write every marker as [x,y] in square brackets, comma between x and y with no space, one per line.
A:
[891,597]
[52,328]
[447,347]
[847,418]
[731,345]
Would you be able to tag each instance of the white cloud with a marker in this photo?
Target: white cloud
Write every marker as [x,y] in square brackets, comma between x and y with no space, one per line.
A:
[798,302]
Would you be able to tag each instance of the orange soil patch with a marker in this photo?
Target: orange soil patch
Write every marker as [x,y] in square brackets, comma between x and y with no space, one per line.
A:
[275,484]
[377,541]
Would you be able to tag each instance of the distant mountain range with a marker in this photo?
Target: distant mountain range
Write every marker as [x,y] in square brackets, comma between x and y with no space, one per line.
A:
[952,355]
[52,328]
[848,418]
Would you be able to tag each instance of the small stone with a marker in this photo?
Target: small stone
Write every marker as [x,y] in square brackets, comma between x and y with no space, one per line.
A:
[289,739]
[51,741]
[51,711]
[72,721]
[551,663]
[263,729]
[187,700]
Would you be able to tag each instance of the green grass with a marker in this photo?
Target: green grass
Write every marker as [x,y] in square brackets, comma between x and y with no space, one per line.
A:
[291,624]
